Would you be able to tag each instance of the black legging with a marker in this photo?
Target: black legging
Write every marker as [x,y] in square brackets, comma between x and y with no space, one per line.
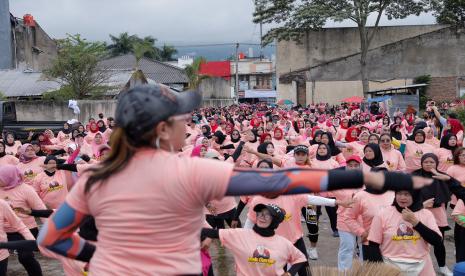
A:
[312,225]
[332,214]
[26,258]
[3,267]
[459,237]
[440,251]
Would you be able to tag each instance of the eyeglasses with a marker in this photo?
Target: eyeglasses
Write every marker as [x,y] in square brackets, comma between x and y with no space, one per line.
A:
[385,141]
[263,215]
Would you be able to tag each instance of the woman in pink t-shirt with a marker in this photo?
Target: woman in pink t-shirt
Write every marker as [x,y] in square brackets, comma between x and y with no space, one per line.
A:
[457,171]
[51,185]
[401,235]
[20,195]
[415,149]
[373,158]
[7,159]
[29,163]
[458,214]
[430,139]
[445,153]
[260,251]
[11,144]
[392,158]
[144,192]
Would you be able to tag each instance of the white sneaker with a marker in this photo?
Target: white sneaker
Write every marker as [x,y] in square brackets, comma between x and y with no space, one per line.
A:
[445,271]
[312,253]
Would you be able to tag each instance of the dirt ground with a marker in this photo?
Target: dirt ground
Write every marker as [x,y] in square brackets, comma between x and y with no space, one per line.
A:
[223,261]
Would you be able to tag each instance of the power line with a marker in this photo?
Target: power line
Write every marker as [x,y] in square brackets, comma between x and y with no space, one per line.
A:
[232,44]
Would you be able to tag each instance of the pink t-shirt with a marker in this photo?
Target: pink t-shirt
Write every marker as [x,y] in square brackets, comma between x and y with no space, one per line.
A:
[446,158]
[9,160]
[25,197]
[257,255]
[343,214]
[440,215]
[354,148]
[51,189]
[459,209]
[413,154]
[223,205]
[367,206]
[457,172]
[398,239]
[7,215]
[325,165]
[149,215]
[12,150]
[291,227]
[31,169]
[394,160]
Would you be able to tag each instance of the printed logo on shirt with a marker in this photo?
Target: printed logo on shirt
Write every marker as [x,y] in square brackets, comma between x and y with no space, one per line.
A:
[261,255]
[405,233]
[54,186]
[419,153]
[29,174]
[450,160]
[288,216]
[390,165]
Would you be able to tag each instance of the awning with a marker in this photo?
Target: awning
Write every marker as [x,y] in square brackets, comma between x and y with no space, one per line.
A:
[260,94]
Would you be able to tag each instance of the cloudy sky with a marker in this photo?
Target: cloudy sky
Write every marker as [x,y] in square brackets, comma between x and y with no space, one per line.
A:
[178,22]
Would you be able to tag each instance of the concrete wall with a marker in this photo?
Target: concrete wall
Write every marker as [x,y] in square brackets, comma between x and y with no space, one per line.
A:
[218,88]
[5,36]
[317,47]
[439,54]
[287,92]
[59,111]
[27,58]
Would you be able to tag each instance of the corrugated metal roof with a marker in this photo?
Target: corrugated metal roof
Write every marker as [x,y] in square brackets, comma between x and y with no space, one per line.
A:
[15,83]
[155,70]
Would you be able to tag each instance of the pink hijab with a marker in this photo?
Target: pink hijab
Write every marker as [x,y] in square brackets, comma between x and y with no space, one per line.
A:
[22,154]
[196,151]
[10,176]
[96,147]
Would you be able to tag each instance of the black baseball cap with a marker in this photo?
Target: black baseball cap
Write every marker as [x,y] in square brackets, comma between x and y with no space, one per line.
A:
[301,148]
[276,212]
[142,107]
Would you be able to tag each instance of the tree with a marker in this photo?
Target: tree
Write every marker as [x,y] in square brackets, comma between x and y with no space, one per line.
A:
[192,72]
[167,52]
[451,12]
[76,68]
[141,49]
[122,44]
[297,17]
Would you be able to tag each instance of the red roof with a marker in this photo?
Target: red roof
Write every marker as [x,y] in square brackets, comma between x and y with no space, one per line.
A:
[216,69]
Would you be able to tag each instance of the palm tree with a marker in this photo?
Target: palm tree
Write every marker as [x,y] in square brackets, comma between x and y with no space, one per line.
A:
[192,72]
[140,50]
[167,52]
[122,44]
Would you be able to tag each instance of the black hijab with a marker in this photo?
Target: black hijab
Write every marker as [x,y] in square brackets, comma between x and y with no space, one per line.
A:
[334,150]
[378,160]
[208,132]
[317,133]
[439,190]
[394,133]
[68,130]
[419,127]
[417,202]
[103,128]
[2,153]
[328,153]
[415,134]
[221,137]
[47,160]
[6,139]
[262,147]
[445,142]
[235,140]
[277,215]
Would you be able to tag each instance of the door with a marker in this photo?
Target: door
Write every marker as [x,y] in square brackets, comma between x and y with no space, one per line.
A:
[301,93]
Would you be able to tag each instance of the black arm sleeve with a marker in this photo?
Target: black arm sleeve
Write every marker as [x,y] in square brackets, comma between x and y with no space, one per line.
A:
[210,233]
[240,207]
[41,213]
[67,167]
[374,253]
[428,235]
[351,179]
[230,146]
[238,151]
[456,188]
[296,267]
[28,245]
[86,253]
[58,152]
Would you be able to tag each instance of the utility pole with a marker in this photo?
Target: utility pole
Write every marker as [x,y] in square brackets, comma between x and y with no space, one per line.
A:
[261,40]
[237,73]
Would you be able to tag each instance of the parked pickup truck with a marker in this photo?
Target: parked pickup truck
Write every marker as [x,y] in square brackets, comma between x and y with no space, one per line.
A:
[8,122]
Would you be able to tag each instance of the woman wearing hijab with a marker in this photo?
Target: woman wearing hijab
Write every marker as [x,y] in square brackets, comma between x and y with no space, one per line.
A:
[430,138]
[336,153]
[373,158]
[6,159]
[323,159]
[401,235]
[29,163]
[356,147]
[265,137]
[20,195]
[64,135]
[51,185]
[367,204]
[259,251]
[206,131]
[373,139]
[278,141]
[101,126]
[436,197]
[414,150]
[93,130]
[151,131]
[342,129]
[445,153]
[393,159]
[218,140]
[11,144]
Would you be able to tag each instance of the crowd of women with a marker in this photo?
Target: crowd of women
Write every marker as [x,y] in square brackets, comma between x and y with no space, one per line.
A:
[162,181]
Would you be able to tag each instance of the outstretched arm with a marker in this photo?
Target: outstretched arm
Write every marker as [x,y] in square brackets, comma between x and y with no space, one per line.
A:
[59,234]
[302,181]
